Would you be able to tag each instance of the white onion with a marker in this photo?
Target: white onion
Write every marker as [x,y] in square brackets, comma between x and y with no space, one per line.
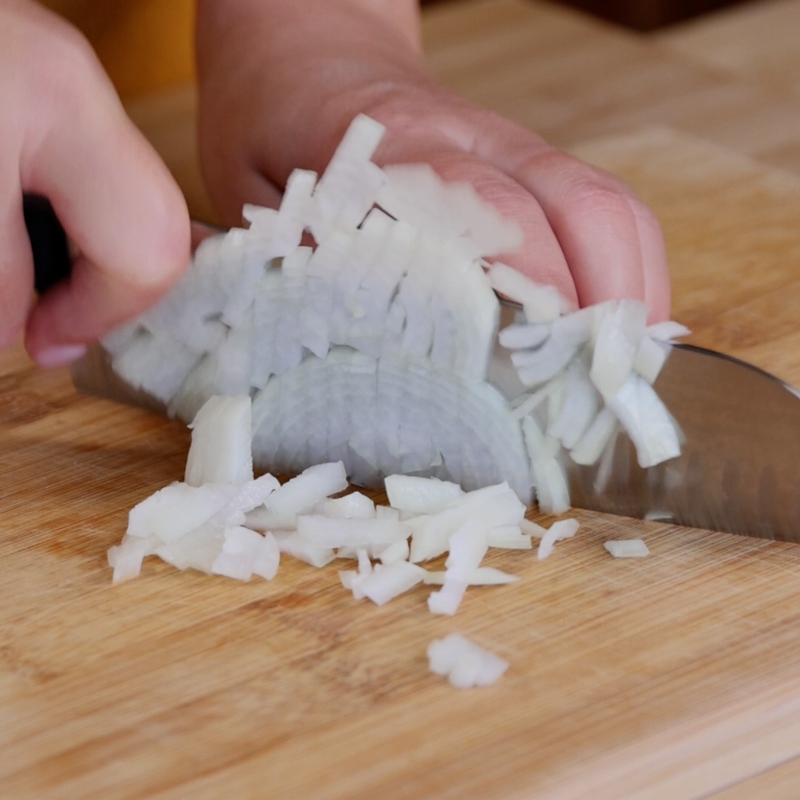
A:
[220,451]
[480,576]
[627,548]
[420,495]
[463,662]
[387,581]
[563,529]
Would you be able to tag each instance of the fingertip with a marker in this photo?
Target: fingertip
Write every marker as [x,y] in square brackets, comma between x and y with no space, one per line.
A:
[657,290]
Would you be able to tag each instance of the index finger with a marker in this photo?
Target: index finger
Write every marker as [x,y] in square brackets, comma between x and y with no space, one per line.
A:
[118,204]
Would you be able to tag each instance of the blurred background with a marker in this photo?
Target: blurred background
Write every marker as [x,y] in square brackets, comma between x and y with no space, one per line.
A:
[146,45]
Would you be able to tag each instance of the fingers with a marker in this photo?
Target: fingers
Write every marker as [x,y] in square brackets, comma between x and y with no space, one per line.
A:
[128,220]
[541,256]
[611,241]
[16,267]
[72,142]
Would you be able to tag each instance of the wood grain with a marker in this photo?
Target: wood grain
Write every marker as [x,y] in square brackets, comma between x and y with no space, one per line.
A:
[734,279]
[754,42]
[559,72]
[668,677]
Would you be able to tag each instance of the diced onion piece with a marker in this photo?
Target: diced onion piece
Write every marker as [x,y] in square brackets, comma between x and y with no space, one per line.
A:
[508,537]
[334,532]
[481,576]
[267,558]
[448,598]
[493,505]
[563,529]
[420,495]
[468,546]
[541,303]
[463,662]
[347,576]
[518,336]
[354,504]
[667,331]
[650,358]
[349,186]
[530,528]
[627,548]
[615,346]
[416,194]
[126,558]
[220,449]
[596,437]
[239,551]
[295,545]
[176,509]
[312,485]
[388,580]
[396,551]
[647,422]
[197,549]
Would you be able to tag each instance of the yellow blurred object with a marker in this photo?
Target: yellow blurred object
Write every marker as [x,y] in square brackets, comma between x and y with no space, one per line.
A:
[144,45]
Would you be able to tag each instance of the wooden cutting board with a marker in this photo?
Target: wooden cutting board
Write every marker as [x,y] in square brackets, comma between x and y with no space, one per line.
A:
[668,677]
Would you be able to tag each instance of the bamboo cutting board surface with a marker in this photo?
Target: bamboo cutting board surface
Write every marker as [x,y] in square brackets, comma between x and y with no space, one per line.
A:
[668,677]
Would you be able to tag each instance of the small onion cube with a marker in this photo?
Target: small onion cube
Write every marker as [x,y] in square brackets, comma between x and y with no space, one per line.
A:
[388,580]
[267,558]
[667,331]
[295,545]
[420,495]
[563,529]
[126,558]
[239,550]
[627,548]
[220,448]
[463,662]
[312,485]
[481,576]
[176,509]
[541,303]
[508,537]
[351,505]
[530,528]
[397,551]
[650,358]
[448,598]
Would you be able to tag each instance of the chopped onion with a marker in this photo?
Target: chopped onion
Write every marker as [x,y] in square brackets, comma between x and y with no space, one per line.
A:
[463,662]
[420,495]
[387,581]
[220,451]
[372,347]
[627,548]
[563,529]
[480,576]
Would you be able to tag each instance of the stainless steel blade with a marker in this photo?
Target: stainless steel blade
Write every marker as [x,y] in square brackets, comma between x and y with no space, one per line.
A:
[739,471]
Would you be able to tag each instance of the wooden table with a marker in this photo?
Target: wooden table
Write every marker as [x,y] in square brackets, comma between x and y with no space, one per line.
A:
[671,677]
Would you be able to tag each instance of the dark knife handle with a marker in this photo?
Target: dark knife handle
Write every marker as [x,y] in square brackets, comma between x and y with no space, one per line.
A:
[51,261]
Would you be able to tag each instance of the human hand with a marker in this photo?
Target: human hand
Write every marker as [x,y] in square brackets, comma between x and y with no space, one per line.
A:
[280,81]
[64,135]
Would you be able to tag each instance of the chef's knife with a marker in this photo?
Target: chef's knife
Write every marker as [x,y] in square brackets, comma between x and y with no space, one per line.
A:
[739,471]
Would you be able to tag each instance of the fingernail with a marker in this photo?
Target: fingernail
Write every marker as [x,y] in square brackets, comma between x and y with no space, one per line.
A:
[60,354]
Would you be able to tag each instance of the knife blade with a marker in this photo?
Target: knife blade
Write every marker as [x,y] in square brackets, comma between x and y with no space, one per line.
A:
[739,470]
